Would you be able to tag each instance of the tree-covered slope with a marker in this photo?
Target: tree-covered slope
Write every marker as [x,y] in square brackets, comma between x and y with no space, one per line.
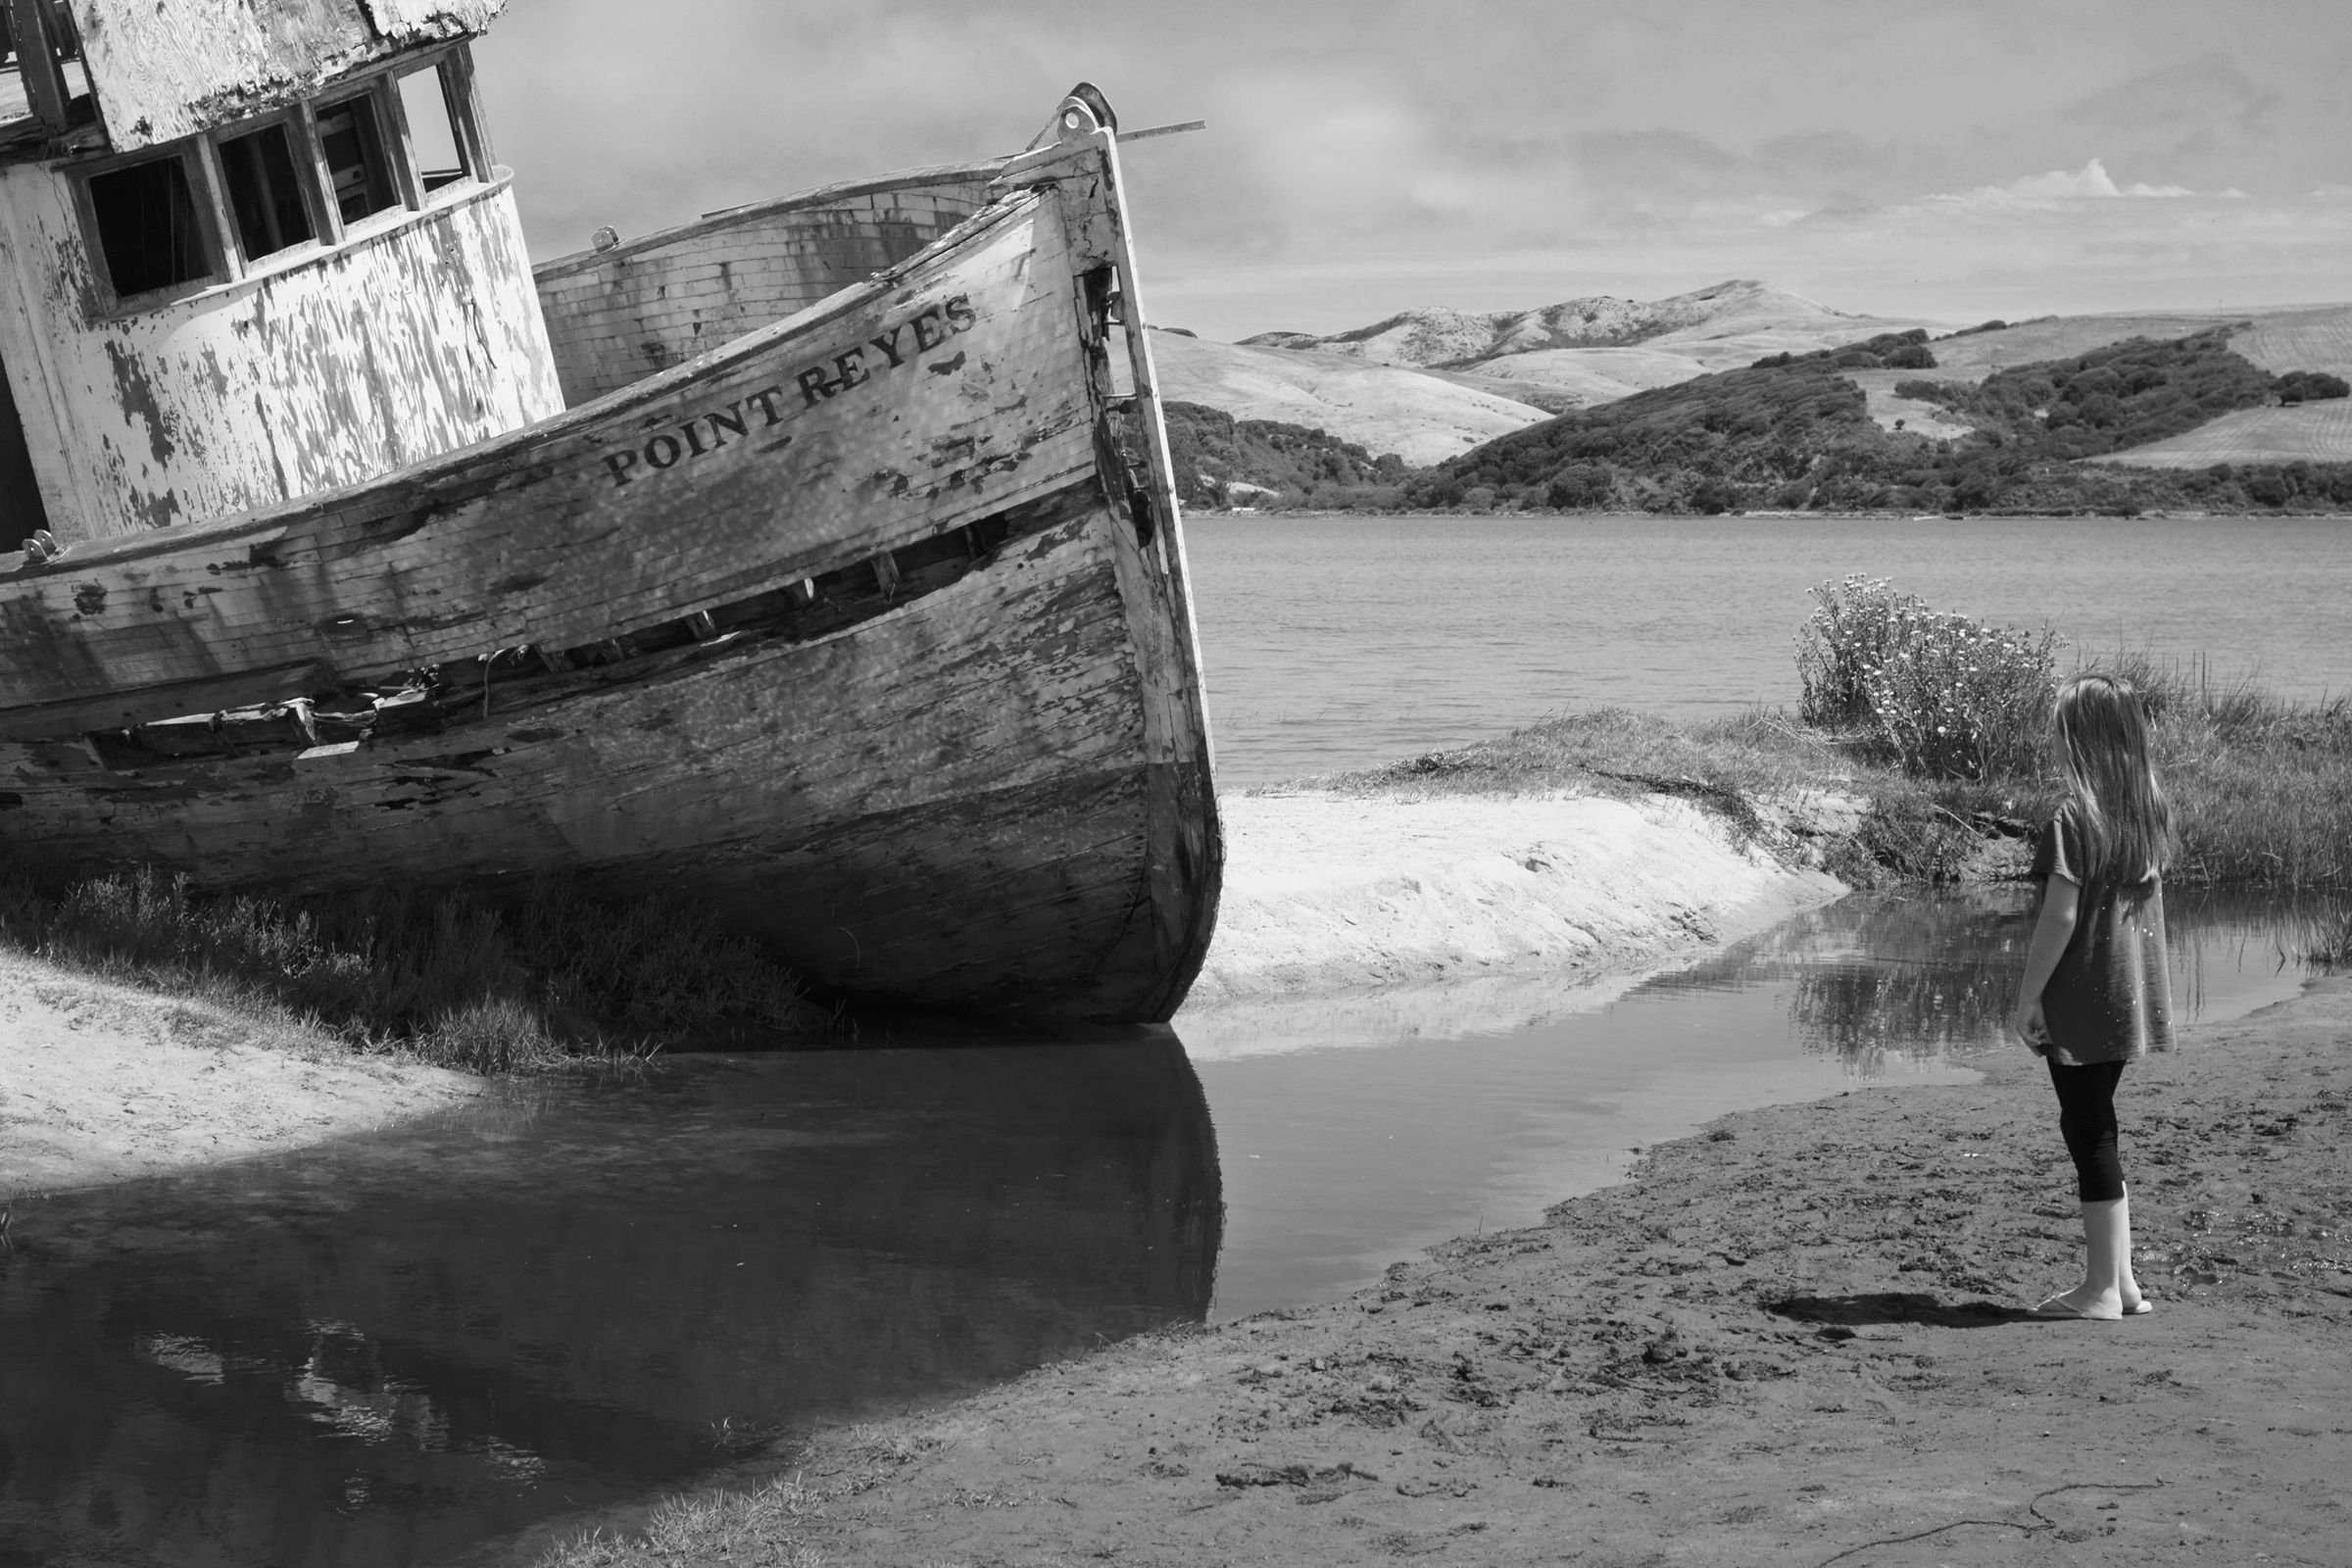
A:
[1212,452]
[1792,431]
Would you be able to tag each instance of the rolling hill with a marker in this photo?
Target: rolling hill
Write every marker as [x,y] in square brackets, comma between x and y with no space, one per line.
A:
[1797,431]
[2308,432]
[1429,385]
[1587,351]
[1420,417]
[1742,317]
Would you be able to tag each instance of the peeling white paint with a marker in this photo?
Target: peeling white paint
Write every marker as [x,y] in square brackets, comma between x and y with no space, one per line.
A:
[164,69]
[326,371]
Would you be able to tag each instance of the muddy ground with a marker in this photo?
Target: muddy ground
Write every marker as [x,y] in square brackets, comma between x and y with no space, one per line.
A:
[1792,1340]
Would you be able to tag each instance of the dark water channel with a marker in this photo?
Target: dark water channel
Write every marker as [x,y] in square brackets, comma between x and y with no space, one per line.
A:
[455,1341]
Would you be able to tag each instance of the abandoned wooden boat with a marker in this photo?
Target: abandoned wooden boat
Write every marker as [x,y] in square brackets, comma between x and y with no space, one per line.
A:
[816,564]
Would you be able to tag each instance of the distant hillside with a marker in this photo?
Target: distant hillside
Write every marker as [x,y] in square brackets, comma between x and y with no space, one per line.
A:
[1793,431]
[1418,387]
[1422,418]
[1462,339]
[1587,351]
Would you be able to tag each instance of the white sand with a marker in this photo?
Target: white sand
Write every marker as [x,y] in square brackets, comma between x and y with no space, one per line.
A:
[101,1083]
[1450,915]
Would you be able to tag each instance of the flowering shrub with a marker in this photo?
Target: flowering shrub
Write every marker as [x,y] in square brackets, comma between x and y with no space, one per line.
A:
[1942,695]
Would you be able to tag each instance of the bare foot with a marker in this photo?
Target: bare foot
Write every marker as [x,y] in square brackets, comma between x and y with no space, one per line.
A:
[2084,1301]
[2134,1301]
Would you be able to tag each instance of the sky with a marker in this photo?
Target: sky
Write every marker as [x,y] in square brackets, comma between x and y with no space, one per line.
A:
[1951,161]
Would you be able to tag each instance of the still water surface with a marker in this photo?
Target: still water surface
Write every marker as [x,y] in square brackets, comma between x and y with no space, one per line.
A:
[451,1342]
[1345,642]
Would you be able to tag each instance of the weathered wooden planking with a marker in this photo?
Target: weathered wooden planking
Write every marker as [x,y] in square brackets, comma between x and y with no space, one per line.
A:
[166,68]
[408,22]
[616,317]
[328,371]
[913,404]
[953,802]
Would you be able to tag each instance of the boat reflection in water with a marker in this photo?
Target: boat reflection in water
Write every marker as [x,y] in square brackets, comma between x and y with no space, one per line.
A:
[409,1345]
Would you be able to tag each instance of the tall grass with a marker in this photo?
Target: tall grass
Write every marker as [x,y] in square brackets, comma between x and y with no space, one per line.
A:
[454,980]
[2262,787]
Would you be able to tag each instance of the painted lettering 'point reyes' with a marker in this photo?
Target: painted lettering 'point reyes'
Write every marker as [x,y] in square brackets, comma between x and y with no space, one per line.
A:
[708,432]
[800,563]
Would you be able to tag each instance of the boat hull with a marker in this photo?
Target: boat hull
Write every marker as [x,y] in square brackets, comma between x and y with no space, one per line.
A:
[867,634]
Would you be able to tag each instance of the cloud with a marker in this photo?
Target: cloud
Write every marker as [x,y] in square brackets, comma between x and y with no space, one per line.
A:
[1381,153]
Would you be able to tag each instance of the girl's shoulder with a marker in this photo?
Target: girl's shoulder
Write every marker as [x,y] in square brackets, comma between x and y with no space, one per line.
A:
[2058,849]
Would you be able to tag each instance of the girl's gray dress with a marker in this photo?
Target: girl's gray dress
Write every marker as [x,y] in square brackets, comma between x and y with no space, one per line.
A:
[2110,997]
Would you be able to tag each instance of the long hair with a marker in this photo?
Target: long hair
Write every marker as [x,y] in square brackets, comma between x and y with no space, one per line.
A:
[2127,822]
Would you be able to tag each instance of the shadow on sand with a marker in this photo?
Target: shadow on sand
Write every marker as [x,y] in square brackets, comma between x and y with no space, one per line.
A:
[1897,1306]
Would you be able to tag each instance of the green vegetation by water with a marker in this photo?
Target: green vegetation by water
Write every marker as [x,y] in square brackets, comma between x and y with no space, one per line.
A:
[1931,724]
[552,978]
[1792,432]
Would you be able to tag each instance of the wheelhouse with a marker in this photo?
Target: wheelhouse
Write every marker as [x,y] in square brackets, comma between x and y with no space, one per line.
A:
[248,252]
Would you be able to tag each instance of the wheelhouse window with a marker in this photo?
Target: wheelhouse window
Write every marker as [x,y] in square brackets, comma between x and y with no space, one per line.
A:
[436,140]
[351,138]
[264,191]
[295,176]
[149,231]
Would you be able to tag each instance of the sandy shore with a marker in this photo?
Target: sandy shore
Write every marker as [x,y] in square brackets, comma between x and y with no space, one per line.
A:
[1470,909]
[103,1083]
[1789,1340]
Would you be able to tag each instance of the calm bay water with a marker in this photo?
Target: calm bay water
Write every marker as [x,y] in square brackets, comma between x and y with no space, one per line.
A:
[1345,642]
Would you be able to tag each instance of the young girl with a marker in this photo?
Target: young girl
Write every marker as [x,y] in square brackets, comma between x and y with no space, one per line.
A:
[2096,993]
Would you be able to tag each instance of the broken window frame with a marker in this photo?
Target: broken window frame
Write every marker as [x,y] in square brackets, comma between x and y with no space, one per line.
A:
[208,177]
[308,181]
[203,191]
[367,97]
[453,72]
[41,38]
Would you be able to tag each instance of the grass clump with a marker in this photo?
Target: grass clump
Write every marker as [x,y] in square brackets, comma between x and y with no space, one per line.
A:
[767,1527]
[554,977]
[2329,943]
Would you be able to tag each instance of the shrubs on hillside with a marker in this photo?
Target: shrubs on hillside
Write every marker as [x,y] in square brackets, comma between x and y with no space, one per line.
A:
[1752,428]
[1938,695]
[2126,395]
[2312,386]
[1293,465]
[1792,432]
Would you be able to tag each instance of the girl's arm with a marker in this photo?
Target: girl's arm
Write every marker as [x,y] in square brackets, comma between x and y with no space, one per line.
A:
[2053,929]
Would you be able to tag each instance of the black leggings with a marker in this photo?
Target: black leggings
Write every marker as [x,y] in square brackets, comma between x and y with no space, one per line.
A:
[2087,1122]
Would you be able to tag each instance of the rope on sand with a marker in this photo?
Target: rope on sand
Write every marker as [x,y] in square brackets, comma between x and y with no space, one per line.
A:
[2033,1507]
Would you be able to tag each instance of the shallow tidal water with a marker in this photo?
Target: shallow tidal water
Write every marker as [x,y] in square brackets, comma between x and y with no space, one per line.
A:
[458,1340]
